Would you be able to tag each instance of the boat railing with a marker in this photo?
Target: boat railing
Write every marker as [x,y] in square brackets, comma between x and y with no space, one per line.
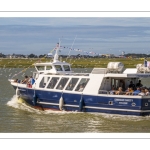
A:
[122,93]
[103,92]
[69,74]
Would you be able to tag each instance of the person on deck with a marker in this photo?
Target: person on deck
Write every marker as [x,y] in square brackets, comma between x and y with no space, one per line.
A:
[137,91]
[119,92]
[139,84]
[130,91]
[25,81]
[142,93]
[112,92]
[131,85]
[31,80]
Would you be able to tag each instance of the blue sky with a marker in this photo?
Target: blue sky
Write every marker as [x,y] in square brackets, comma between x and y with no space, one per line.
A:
[101,35]
[72,21]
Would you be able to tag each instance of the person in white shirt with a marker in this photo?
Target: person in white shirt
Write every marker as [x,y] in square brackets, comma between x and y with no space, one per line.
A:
[142,93]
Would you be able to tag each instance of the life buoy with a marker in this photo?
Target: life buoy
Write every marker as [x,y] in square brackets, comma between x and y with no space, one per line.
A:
[61,103]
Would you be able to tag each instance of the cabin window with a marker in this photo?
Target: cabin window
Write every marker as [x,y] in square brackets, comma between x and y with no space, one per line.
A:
[72,84]
[58,67]
[66,67]
[83,82]
[48,67]
[62,83]
[40,67]
[116,83]
[43,82]
[53,82]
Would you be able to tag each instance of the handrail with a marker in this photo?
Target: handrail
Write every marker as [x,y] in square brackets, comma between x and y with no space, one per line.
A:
[103,92]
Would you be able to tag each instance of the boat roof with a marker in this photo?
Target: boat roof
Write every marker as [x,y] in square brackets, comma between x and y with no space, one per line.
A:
[51,63]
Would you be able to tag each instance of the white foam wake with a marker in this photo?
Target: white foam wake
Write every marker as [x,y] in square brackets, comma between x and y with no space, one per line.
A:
[14,103]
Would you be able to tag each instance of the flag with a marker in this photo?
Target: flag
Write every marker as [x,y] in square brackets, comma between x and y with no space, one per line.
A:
[57,45]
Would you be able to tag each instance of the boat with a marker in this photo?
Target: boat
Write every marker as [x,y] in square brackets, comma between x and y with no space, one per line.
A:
[58,88]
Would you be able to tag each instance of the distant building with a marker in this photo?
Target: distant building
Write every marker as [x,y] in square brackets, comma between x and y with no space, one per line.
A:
[49,55]
[122,56]
[108,55]
[123,53]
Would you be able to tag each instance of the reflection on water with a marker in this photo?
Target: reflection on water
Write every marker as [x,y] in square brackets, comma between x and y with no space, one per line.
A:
[18,117]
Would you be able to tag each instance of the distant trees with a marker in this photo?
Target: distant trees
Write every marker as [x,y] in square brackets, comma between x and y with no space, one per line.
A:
[41,56]
[134,55]
[32,56]
[2,55]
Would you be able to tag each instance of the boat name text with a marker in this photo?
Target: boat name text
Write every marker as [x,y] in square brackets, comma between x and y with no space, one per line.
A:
[123,100]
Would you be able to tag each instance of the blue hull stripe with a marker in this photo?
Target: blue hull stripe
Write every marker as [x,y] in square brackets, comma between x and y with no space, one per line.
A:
[97,107]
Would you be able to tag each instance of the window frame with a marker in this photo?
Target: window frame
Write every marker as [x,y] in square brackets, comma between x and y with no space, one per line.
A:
[60,67]
[48,66]
[40,66]
[70,83]
[61,83]
[55,84]
[44,82]
[67,68]
[79,83]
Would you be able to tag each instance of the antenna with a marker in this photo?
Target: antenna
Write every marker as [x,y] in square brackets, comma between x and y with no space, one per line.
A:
[56,53]
[71,46]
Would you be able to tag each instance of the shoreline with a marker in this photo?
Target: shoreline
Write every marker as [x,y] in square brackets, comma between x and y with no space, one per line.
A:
[75,62]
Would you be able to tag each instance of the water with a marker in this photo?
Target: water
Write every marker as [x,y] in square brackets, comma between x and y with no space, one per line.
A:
[19,118]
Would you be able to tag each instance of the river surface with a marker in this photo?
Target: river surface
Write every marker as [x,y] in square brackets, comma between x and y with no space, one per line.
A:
[19,118]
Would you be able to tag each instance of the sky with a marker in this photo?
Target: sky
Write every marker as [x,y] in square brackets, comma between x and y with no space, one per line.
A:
[102,35]
[73,21]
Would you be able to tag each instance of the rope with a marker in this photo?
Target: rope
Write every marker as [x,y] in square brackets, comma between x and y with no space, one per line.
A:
[28,67]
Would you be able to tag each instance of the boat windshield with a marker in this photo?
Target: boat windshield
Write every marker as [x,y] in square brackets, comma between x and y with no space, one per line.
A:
[40,67]
[48,67]
[58,67]
[66,67]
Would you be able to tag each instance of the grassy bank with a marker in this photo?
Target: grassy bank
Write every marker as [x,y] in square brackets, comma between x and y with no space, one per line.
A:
[76,62]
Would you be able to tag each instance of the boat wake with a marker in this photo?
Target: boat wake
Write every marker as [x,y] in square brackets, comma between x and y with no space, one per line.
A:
[122,117]
[22,106]
[15,104]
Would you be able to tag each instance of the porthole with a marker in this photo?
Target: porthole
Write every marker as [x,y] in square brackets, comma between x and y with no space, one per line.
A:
[133,104]
[110,102]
